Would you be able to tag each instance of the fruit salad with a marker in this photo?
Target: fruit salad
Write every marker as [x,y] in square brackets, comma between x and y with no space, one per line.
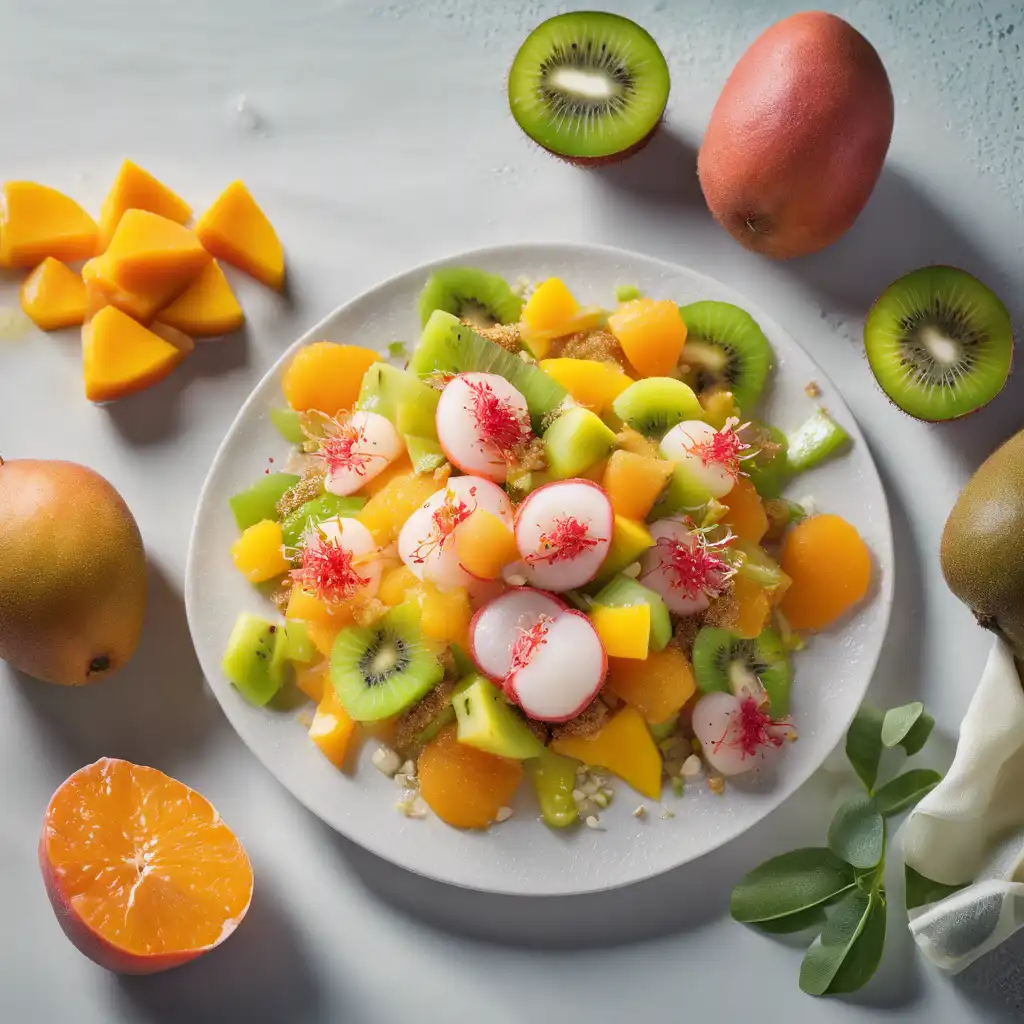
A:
[552,546]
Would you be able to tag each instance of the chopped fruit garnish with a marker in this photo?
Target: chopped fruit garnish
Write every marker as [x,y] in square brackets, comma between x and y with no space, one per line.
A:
[746,516]
[684,566]
[651,333]
[326,377]
[737,733]
[712,456]
[259,553]
[633,482]
[624,632]
[207,308]
[332,728]
[498,624]
[148,250]
[102,288]
[37,221]
[485,545]
[594,385]
[53,296]
[328,569]
[356,450]
[137,189]
[657,687]
[551,308]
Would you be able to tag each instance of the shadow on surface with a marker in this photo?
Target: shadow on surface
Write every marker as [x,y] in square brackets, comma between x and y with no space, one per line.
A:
[155,414]
[663,172]
[995,983]
[260,974]
[155,711]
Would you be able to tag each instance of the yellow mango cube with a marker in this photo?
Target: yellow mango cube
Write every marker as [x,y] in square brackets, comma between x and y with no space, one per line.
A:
[103,289]
[149,251]
[592,384]
[332,729]
[624,632]
[630,539]
[137,189]
[53,296]
[207,308]
[395,585]
[259,553]
[120,356]
[385,513]
[633,482]
[237,231]
[624,746]
[485,545]
[312,680]
[37,221]
[652,334]
[550,308]
[445,615]
[657,687]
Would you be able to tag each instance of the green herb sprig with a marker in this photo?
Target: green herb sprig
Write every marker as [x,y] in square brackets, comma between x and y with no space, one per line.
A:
[839,890]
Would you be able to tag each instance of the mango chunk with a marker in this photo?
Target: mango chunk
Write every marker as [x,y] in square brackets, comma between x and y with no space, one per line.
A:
[137,189]
[179,339]
[624,746]
[53,296]
[148,250]
[237,231]
[37,221]
[121,356]
[102,288]
[624,632]
[259,553]
[207,308]
[332,729]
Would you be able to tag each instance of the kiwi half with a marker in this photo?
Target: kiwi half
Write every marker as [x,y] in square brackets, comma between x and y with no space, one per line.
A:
[588,85]
[656,404]
[379,670]
[724,661]
[725,350]
[479,298]
[939,343]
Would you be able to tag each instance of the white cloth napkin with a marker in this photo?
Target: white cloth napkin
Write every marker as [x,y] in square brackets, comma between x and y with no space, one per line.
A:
[969,830]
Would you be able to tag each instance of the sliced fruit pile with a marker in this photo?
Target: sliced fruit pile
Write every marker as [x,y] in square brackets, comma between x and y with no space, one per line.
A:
[555,539]
[150,285]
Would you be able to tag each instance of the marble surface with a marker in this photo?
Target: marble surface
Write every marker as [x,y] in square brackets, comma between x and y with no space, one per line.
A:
[378,136]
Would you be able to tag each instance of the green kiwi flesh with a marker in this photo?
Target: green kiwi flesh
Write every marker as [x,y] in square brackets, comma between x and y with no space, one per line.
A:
[479,298]
[725,350]
[939,342]
[588,85]
[768,466]
[723,661]
[379,670]
[656,404]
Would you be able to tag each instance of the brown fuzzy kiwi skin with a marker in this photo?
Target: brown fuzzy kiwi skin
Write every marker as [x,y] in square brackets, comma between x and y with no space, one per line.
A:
[981,555]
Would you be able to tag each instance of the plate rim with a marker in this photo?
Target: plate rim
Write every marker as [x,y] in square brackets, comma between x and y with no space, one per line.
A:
[884,594]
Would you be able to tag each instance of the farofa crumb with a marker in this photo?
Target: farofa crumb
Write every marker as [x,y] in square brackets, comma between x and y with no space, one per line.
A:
[588,722]
[777,511]
[412,722]
[599,345]
[812,389]
[685,633]
[311,486]
[532,457]
[282,594]
[504,335]
[724,611]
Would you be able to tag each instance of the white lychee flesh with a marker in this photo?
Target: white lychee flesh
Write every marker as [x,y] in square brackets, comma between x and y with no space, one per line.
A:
[656,569]
[353,536]
[378,446]
[717,724]
[677,446]
[499,623]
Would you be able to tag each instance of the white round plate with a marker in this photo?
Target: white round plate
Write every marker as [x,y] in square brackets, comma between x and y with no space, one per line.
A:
[522,856]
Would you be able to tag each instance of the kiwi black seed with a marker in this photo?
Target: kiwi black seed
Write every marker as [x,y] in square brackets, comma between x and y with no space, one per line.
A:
[939,343]
[479,298]
[379,670]
[724,661]
[588,86]
[725,350]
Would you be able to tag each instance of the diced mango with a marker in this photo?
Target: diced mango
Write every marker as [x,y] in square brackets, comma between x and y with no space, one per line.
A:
[207,308]
[102,289]
[624,632]
[332,729]
[630,539]
[121,357]
[592,384]
[753,607]
[485,545]
[236,230]
[259,553]
[746,516]
[326,377]
[395,584]
[651,333]
[37,221]
[179,339]
[149,251]
[445,614]
[657,687]
[137,189]
[624,746]
[550,308]
[312,680]
[53,296]
[630,440]
[633,482]
[401,467]
[385,513]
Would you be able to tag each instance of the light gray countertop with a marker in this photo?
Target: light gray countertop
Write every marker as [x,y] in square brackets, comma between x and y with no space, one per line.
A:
[378,137]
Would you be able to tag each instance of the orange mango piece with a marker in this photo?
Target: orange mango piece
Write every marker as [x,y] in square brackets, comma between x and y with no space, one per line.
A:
[754,607]
[485,545]
[624,746]
[445,614]
[179,339]
[593,384]
[630,440]
[37,221]
[207,308]
[326,377]
[121,357]
[103,289]
[651,333]
[401,467]
[550,308]
[236,230]
[624,632]
[657,687]
[312,680]
[633,482]
[148,251]
[332,729]
[137,189]
[385,513]
[746,516]
[53,296]
[259,553]
[395,584]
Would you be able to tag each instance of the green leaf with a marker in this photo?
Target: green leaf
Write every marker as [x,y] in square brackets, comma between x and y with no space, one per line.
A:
[848,950]
[908,726]
[864,744]
[905,790]
[790,884]
[857,833]
[922,890]
[918,735]
[862,960]
[801,921]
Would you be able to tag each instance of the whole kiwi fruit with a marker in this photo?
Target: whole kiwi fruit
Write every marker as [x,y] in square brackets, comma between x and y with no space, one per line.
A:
[981,551]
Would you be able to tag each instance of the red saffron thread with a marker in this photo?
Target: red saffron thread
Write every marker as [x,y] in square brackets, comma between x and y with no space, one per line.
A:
[692,564]
[444,519]
[499,425]
[754,729]
[566,540]
[724,448]
[527,644]
[328,569]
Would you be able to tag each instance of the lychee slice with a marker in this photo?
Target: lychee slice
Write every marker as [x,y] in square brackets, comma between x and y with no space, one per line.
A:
[712,456]
[482,422]
[358,450]
[426,543]
[684,566]
[339,560]
[557,667]
[497,626]
[737,734]
[563,532]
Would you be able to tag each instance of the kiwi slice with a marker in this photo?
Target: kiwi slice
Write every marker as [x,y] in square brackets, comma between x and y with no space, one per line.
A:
[479,298]
[724,661]
[487,722]
[768,466]
[255,658]
[575,442]
[818,437]
[725,350]
[379,670]
[939,343]
[588,85]
[656,404]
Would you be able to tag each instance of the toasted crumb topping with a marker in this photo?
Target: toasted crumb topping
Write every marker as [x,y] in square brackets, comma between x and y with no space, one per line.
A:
[685,633]
[723,611]
[588,722]
[812,389]
[505,335]
[599,345]
[777,511]
[532,457]
[311,486]
[412,722]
